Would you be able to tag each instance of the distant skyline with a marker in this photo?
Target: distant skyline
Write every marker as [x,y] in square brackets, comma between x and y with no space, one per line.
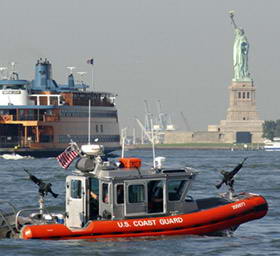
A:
[175,51]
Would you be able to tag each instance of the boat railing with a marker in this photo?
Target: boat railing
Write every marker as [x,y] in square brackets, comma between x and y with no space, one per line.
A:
[10,204]
[4,217]
[30,117]
[39,211]
[6,118]
[50,118]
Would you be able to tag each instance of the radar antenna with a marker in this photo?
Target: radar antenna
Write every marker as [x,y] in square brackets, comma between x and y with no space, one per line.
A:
[2,72]
[81,74]
[71,69]
[13,73]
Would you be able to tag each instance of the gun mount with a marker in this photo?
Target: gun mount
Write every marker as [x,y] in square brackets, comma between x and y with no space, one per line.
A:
[228,178]
[44,188]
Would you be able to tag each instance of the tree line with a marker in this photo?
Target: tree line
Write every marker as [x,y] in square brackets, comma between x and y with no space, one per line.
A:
[271,129]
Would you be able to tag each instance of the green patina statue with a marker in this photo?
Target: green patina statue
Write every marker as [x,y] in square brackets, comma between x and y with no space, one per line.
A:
[240,53]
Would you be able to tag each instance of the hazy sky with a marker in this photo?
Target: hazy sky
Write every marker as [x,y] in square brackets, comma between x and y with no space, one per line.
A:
[176,51]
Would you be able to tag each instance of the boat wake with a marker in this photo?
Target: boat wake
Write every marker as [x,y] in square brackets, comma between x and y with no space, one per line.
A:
[15,157]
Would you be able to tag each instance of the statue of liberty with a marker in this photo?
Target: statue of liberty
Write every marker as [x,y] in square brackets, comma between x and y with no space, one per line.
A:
[240,53]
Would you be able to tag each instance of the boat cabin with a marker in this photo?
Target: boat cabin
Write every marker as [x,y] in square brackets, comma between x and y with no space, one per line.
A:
[102,190]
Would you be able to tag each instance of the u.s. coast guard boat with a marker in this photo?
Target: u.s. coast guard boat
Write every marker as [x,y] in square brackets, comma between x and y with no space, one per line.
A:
[120,199]
[37,117]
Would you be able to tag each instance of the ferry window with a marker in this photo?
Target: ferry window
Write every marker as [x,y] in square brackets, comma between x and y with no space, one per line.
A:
[54,100]
[120,194]
[136,193]
[76,188]
[175,189]
[105,193]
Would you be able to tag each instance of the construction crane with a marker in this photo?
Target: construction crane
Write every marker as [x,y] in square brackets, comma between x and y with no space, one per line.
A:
[162,117]
[148,117]
[185,122]
[144,130]
[169,125]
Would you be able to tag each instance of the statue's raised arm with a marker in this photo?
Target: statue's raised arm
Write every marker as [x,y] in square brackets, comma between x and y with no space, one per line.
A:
[231,15]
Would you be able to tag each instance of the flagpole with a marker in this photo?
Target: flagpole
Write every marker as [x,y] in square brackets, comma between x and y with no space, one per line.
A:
[89,115]
[92,76]
[91,62]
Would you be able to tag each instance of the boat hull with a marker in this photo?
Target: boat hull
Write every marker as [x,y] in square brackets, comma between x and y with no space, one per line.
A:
[204,222]
[272,148]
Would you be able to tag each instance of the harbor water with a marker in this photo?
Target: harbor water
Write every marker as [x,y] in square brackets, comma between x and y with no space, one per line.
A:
[260,174]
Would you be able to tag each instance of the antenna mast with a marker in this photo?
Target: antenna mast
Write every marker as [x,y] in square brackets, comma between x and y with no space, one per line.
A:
[123,133]
[150,137]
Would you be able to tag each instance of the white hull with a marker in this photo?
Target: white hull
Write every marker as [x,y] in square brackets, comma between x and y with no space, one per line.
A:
[272,146]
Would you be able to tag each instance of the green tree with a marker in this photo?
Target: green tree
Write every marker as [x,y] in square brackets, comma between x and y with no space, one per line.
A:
[269,128]
[277,128]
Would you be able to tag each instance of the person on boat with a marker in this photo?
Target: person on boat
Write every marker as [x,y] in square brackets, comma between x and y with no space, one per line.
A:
[156,196]
[93,195]
[120,194]
[94,199]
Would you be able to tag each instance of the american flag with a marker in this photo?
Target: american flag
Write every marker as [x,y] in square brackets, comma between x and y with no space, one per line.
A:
[67,157]
[90,61]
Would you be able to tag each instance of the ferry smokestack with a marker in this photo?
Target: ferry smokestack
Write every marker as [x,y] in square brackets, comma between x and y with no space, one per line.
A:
[42,75]
[71,82]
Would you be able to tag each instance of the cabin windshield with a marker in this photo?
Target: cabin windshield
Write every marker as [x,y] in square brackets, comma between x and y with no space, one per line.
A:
[175,189]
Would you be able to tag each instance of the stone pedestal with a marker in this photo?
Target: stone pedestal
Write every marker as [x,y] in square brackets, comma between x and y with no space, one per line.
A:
[242,116]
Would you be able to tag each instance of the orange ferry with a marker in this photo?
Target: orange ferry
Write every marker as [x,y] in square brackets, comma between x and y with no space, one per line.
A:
[38,118]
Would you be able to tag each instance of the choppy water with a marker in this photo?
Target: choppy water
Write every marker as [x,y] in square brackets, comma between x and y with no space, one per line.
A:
[261,174]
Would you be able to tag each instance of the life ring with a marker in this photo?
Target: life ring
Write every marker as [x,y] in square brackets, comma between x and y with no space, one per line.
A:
[6,118]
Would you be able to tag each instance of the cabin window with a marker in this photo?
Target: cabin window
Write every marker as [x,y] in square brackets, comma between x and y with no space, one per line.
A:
[105,193]
[120,193]
[175,189]
[76,189]
[94,186]
[136,193]
[155,196]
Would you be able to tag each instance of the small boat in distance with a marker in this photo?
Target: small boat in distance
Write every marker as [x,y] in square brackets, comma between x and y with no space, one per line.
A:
[273,145]
[106,199]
